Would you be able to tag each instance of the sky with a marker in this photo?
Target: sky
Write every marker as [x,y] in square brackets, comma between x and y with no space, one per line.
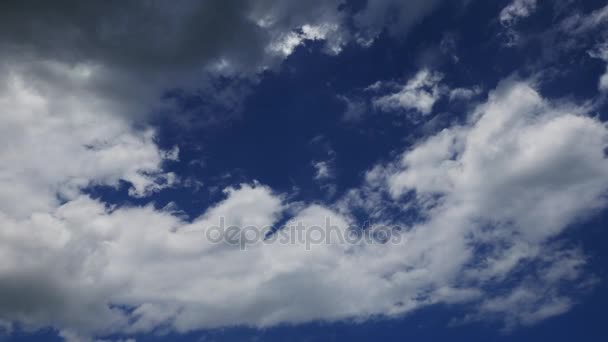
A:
[316,170]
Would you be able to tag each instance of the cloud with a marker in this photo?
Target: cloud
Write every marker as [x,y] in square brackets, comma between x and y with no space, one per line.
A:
[5,328]
[512,150]
[501,182]
[601,52]
[323,170]
[91,258]
[288,42]
[75,79]
[603,83]
[151,36]
[512,14]
[517,10]
[134,52]
[464,94]
[90,269]
[55,143]
[578,24]
[537,297]
[419,93]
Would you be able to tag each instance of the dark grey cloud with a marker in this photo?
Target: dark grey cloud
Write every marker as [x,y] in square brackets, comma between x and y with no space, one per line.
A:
[139,48]
[151,35]
[132,51]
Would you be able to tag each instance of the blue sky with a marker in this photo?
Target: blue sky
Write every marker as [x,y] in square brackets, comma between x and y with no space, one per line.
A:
[472,132]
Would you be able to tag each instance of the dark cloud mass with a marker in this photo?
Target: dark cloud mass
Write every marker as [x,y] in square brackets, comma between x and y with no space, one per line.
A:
[151,36]
[137,49]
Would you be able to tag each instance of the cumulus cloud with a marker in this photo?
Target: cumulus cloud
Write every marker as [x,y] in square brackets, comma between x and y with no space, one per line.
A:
[511,149]
[55,143]
[419,93]
[88,268]
[501,182]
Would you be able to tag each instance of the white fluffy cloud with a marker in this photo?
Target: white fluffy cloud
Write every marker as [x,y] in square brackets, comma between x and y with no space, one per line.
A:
[520,147]
[70,119]
[518,174]
[53,142]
